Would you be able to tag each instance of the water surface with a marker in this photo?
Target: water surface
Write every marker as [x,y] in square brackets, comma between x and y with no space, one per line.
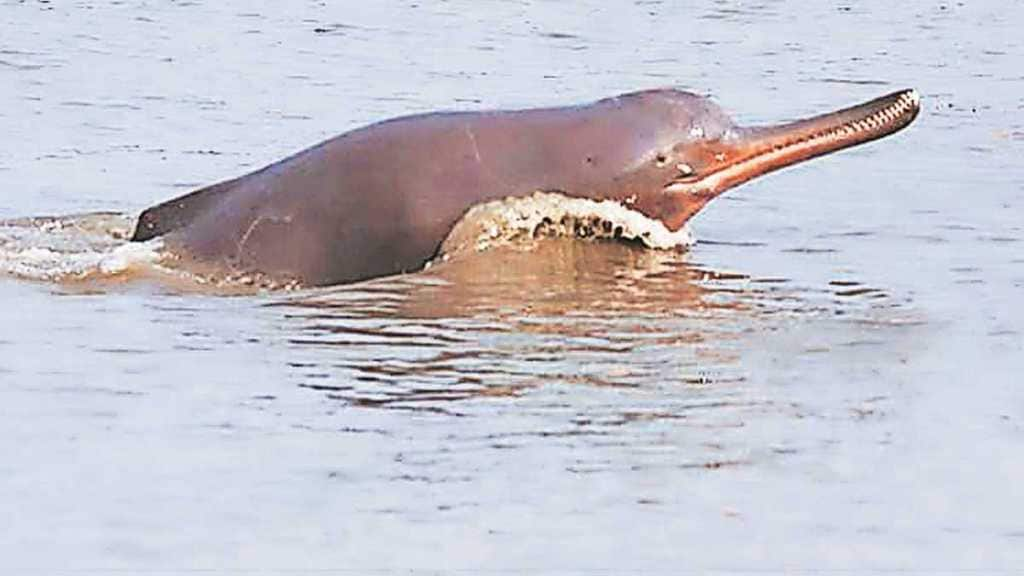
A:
[828,379]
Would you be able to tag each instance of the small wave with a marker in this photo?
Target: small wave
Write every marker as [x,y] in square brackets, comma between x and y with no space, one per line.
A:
[69,248]
[519,221]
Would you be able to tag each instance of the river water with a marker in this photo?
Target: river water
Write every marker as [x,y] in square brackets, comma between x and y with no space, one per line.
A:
[830,379]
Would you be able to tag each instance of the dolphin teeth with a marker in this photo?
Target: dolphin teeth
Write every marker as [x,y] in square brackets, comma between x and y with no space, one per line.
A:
[684,168]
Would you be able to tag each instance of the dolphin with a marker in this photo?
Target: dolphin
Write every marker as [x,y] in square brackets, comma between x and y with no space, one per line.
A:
[381,199]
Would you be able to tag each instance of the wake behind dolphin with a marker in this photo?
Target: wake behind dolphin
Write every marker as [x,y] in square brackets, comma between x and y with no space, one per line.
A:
[73,248]
[382,199]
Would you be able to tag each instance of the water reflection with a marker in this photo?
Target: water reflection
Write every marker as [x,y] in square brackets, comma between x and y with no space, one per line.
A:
[557,313]
[561,312]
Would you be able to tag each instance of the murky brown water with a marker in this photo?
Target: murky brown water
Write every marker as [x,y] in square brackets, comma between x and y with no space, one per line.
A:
[828,379]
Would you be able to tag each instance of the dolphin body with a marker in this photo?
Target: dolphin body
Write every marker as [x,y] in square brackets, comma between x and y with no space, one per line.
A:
[380,200]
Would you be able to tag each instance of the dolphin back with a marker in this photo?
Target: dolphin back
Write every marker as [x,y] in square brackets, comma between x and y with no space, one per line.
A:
[179,212]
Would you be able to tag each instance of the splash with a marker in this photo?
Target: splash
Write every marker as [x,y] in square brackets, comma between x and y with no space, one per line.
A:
[72,248]
[520,221]
[94,250]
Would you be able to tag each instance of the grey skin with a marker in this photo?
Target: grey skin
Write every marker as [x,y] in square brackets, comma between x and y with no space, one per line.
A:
[380,200]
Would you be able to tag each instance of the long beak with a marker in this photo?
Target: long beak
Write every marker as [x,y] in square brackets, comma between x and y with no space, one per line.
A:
[751,152]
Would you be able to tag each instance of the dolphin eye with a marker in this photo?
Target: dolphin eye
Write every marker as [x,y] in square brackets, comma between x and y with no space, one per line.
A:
[661,159]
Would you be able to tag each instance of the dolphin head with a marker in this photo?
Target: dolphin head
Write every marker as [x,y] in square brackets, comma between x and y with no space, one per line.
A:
[686,151]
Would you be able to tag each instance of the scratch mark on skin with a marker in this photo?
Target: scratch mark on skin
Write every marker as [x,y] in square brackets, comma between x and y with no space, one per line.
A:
[472,140]
[252,227]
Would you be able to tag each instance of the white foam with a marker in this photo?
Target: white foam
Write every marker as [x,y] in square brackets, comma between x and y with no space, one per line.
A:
[72,247]
[545,214]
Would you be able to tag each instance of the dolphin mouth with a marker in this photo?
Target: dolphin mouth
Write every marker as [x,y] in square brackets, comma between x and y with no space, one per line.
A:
[750,152]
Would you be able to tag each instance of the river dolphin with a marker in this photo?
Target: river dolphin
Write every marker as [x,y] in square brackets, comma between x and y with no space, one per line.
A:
[380,200]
